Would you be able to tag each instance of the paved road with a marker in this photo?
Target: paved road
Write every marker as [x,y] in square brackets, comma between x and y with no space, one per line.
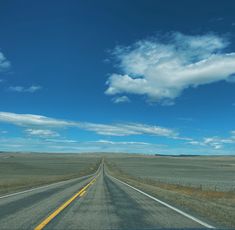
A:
[106,204]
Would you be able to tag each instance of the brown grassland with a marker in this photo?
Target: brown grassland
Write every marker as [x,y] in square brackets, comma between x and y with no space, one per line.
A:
[20,171]
[207,203]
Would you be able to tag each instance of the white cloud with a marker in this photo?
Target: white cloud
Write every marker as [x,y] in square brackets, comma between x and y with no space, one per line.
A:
[61,140]
[33,88]
[126,129]
[38,144]
[215,142]
[196,143]
[32,120]
[45,145]
[4,63]
[122,142]
[16,88]
[21,89]
[122,99]
[162,70]
[119,129]
[42,132]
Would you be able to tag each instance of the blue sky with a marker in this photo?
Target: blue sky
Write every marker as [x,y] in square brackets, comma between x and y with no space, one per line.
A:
[118,76]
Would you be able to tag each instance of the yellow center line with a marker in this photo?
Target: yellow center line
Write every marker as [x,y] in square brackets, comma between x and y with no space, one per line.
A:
[82,193]
[63,206]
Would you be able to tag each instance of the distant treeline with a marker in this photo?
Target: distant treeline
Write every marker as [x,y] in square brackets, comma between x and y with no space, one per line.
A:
[180,155]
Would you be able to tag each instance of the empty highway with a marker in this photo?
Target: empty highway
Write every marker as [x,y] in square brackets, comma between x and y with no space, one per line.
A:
[95,202]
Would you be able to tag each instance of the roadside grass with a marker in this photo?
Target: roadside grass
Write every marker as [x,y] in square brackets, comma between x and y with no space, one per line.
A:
[218,207]
[24,171]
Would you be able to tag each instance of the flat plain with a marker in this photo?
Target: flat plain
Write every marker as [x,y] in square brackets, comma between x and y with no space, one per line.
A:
[101,203]
[203,186]
[213,173]
[20,171]
[200,186]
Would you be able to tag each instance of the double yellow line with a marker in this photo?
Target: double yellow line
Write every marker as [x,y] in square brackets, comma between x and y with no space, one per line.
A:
[63,206]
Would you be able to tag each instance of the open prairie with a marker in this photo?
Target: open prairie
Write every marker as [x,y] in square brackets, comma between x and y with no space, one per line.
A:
[20,171]
[203,186]
[213,173]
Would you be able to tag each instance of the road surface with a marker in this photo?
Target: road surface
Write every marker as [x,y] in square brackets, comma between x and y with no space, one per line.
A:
[104,203]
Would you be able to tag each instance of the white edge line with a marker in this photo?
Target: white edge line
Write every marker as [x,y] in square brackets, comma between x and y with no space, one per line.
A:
[167,205]
[46,186]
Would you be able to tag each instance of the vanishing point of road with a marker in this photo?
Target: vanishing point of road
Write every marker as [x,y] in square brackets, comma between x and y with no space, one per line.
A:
[94,202]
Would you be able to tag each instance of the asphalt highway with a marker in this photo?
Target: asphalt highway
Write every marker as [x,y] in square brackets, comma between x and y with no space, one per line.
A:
[95,202]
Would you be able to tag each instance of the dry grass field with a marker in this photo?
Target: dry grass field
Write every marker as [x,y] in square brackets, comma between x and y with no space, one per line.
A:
[19,171]
[202,186]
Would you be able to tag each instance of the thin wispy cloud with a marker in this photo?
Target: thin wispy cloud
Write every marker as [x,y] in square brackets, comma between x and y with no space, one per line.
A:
[32,120]
[21,89]
[4,63]
[52,145]
[122,99]
[60,145]
[122,142]
[45,133]
[215,141]
[67,141]
[119,129]
[126,129]
[162,69]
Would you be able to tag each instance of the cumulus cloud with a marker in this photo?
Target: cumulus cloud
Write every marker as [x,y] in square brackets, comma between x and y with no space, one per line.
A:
[119,129]
[163,68]
[21,89]
[122,99]
[42,132]
[4,63]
